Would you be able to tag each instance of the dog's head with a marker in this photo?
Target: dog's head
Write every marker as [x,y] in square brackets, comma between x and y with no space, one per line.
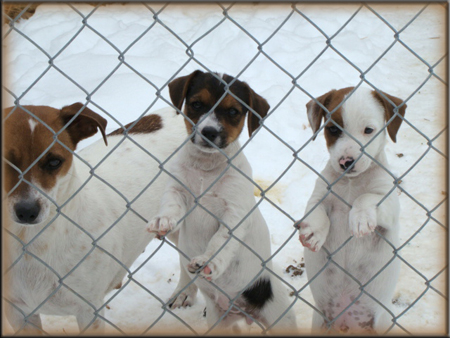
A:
[222,126]
[362,115]
[35,165]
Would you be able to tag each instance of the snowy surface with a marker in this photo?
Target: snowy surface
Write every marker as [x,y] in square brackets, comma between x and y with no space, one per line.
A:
[153,56]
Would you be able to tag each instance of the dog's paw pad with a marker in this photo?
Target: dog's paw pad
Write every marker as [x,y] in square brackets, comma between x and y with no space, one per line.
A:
[209,271]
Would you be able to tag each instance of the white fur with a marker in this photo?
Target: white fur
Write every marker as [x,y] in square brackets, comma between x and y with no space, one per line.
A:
[33,124]
[62,245]
[207,120]
[201,236]
[332,222]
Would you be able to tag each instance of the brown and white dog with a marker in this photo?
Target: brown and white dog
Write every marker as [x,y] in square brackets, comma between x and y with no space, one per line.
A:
[354,197]
[71,234]
[222,234]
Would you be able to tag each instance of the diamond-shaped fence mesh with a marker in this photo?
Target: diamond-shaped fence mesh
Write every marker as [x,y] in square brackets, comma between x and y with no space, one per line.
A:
[118,61]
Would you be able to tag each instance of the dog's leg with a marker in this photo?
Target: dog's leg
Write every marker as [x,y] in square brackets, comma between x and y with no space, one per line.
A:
[183,296]
[315,227]
[32,327]
[87,322]
[365,215]
[173,208]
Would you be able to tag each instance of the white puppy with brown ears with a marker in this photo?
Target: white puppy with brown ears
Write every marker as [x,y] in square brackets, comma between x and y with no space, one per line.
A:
[354,197]
[211,202]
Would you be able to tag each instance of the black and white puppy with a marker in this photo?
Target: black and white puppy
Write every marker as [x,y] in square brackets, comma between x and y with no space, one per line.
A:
[212,204]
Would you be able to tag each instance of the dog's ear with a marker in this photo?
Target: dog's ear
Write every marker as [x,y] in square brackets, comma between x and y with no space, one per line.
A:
[316,112]
[85,124]
[178,88]
[254,101]
[259,105]
[394,125]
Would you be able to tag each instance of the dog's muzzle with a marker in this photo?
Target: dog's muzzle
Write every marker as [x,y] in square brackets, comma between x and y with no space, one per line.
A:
[27,212]
[210,133]
[208,137]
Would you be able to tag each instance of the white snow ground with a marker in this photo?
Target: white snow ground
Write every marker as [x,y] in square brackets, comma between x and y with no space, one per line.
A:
[89,59]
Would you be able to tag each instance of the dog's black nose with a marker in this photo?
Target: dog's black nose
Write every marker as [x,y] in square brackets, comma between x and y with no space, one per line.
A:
[347,163]
[210,133]
[27,212]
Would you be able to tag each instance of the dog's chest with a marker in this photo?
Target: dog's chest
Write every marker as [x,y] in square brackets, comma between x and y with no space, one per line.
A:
[54,257]
[344,194]
[206,190]
[32,284]
[359,251]
[338,206]
[206,204]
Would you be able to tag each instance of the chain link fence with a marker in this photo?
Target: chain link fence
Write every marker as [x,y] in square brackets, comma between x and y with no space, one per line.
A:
[290,53]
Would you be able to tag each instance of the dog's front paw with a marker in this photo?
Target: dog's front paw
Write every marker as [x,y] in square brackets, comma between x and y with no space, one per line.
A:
[162,225]
[210,271]
[362,221]
[184,298]
[311,238]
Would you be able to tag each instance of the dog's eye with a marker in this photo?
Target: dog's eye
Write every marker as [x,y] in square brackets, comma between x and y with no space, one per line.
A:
[196,105]
[334,130]
[368,130]
[232,112]
[53,164]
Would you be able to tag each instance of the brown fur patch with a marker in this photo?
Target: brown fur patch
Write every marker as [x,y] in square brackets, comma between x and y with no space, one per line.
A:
[394,125]
[233,132]
[145,125]
[330,100]
[232,125]
[229,102]
[203,96]
[189,125]
[22,147]
[336,117]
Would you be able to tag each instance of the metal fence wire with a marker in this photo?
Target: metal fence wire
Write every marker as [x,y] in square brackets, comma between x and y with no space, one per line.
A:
[422,246]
